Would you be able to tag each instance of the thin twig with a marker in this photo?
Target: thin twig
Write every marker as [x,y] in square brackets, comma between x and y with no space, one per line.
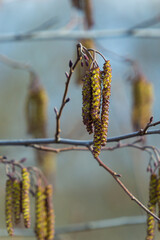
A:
[64,100]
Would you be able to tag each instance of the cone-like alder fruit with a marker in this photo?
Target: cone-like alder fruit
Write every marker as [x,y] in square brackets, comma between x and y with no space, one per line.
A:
[142,102]
[25,197]
[36,111]
[9,207]
[152,206]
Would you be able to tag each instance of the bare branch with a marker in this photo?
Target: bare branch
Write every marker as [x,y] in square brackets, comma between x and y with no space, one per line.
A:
[28,142]
[64,100]
[116,177]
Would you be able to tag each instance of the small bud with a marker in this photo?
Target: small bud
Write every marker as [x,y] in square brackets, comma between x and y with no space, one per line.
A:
[70,63]
[151,120]
[87,64]
[56,111]
[67,100]
[67,75]
[82,64]
[86,58]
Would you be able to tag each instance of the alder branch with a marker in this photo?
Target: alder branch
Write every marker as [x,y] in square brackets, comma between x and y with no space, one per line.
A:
[86,143]
[77,34]
[116,177]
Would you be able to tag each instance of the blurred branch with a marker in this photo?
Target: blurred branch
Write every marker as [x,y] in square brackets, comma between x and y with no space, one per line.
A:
[106,223]
[85,34]
[81,227]
[15,64]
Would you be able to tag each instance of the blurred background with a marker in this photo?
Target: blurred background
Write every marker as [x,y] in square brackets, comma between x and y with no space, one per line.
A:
[82,190]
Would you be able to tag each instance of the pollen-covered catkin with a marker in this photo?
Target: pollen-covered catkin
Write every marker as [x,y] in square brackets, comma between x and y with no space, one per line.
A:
[106,92]
[152,206]
[86,103]
[142,102]
[50,213]
[25,197]
[95,109]
[9,207]
[17,200]
[96,93]
[41,214]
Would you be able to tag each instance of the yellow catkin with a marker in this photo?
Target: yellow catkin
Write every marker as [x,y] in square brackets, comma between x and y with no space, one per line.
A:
[9,208]
[17,200]
[25,197]
[36,111]
[95,109]
[81,71]
[106,77]
[86,103]
[41,214]
[158,197]
[50,213]
[142,102]
[152,206]
[96,93]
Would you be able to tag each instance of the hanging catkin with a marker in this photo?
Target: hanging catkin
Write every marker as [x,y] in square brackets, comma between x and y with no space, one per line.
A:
[86,102]
[152,206]
[106,77]
[9,207]
[25,197]
[142,102]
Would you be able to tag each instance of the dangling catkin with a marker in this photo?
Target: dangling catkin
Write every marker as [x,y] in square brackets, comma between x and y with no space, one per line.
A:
[50,213]
[41,214]
[25,197]
[106,77]
[9,207]
[17,200]
[152,206]
[36,111]
[142,102]
[86,103]
[95,109]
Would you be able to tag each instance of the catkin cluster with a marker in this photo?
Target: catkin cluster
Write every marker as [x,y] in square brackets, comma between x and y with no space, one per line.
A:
[142,102]
[96,92]
[154,199]
[17,206]
[17,201]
